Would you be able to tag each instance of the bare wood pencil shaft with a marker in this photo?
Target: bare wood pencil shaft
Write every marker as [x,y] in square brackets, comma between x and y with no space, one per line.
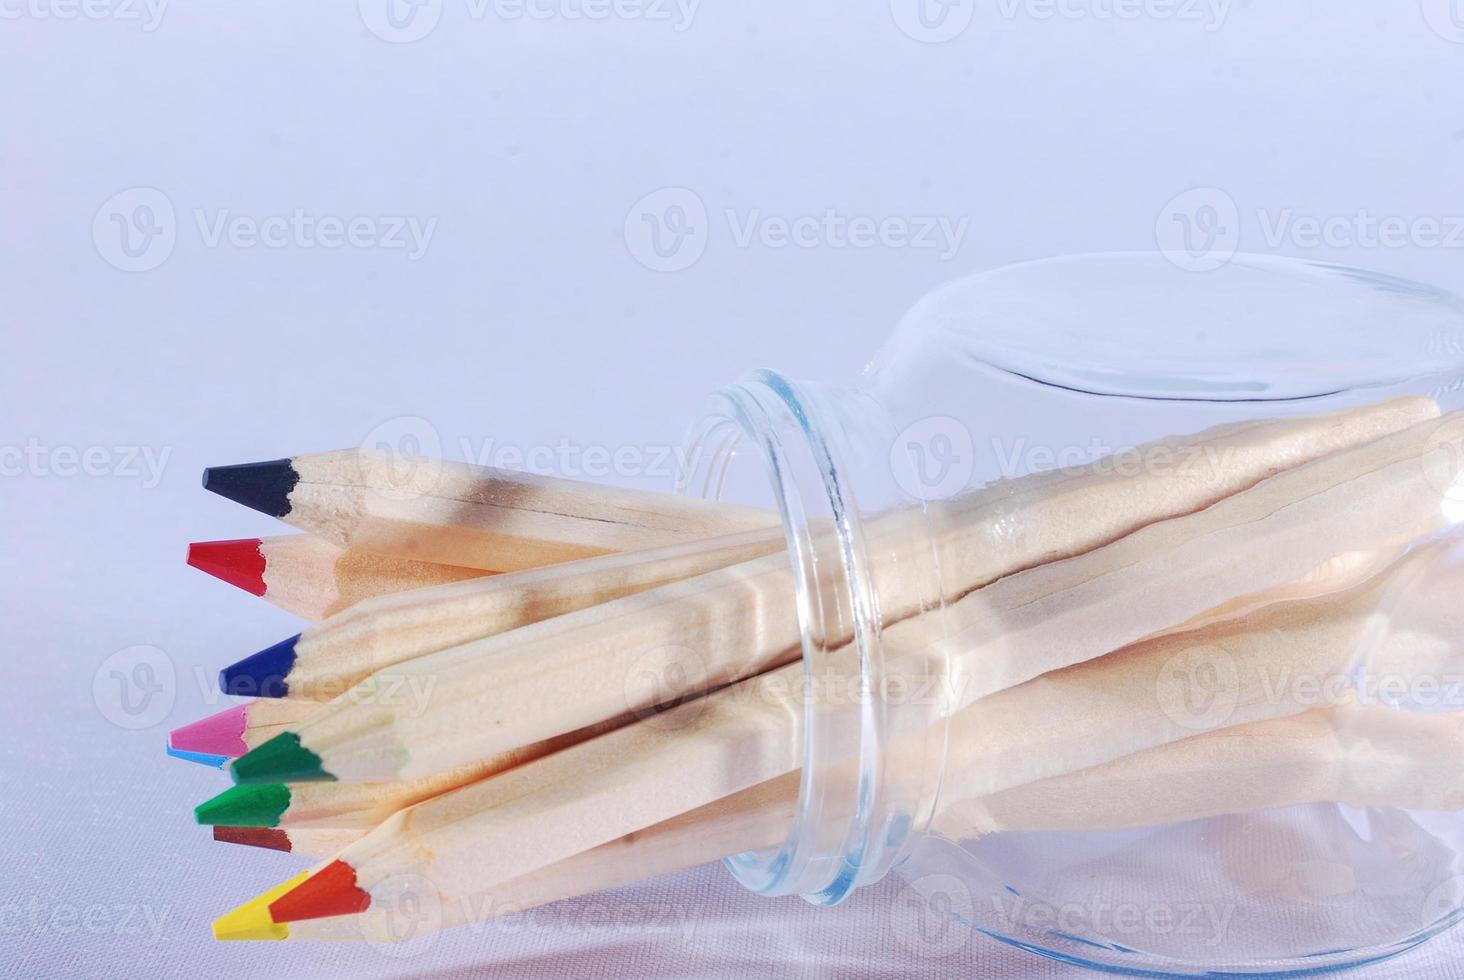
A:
[691,635]
[480,517]
[314,579]
[636,777]
[1349,754]
[392,629]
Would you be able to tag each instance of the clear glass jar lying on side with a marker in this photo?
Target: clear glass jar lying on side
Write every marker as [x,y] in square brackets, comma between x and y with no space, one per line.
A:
[1128,608]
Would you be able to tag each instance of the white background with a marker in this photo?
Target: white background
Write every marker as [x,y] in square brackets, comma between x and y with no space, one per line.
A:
[538,316]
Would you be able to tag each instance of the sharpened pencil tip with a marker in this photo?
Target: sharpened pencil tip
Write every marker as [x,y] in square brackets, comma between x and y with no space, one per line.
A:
[330,891]
[252,919]
[264,487]
[269,837]
[280,760]
[220,734]
[202,758]
[263,674]
[259,805]
[238,562]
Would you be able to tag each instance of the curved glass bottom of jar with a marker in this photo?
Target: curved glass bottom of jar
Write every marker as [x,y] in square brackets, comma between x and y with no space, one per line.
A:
[1275,897]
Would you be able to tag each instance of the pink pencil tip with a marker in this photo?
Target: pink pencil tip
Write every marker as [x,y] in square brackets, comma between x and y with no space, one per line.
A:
[220,734]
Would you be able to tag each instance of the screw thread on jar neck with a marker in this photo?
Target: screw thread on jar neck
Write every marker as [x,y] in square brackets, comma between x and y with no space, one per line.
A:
[811,442]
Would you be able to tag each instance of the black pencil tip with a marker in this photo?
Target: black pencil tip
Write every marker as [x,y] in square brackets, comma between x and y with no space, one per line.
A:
[264,487]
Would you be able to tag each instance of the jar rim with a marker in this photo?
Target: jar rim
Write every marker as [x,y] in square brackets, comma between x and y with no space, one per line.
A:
[839,839]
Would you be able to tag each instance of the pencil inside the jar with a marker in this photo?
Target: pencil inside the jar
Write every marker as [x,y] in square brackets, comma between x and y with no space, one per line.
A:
[467,516]
[1275,549]
[571,671]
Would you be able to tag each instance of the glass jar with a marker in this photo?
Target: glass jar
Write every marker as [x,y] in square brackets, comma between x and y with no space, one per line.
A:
[1126,606]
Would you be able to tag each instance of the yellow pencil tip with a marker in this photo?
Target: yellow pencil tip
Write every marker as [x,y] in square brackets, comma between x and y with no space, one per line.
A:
[251,920]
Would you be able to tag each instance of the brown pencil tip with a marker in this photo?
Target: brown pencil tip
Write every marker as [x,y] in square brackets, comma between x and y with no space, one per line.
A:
[270,837]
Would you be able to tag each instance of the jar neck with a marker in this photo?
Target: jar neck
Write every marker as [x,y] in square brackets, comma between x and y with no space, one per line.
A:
[824,453]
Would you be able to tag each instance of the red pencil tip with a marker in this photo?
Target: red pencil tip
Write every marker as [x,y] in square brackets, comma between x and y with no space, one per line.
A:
[238,562]
[330,891]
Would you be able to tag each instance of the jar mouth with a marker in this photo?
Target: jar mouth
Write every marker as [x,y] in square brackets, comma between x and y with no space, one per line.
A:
[841,836]
[1242,332]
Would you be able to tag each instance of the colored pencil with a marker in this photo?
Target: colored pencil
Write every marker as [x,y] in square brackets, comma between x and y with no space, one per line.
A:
[578,669]
[1071,544]
[233,731]
[1354,755]
[1359,756]
[468,516]
[313,841]
[313,578]
[365,804]
[473,840]
[323,661]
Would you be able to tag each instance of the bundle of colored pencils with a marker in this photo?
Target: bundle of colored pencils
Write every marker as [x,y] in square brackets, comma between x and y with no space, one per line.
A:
[463,714]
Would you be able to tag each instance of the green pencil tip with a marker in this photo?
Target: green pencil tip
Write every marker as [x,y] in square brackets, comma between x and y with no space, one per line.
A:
[245,806]
[280,760]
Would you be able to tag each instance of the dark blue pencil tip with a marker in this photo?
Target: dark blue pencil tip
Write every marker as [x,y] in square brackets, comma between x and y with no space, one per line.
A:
[263,674]
[264,487]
